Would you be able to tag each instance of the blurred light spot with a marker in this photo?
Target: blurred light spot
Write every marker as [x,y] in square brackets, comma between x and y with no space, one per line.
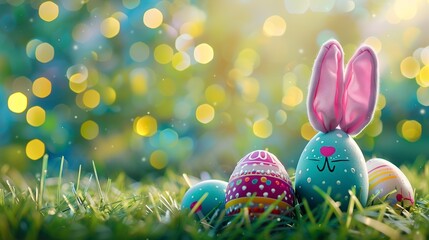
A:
[423,77]
[205,113]
[262,128]
[73,5]
[424,55]
[281,117]
[193,28]
[292,96]
[36,116]
[158,159]
[153,18]
[297,6]
[203,53]
[345,5]
[89,130]
[215,94]
[44,52]
[405,9]
[31,46]
[307,131]
[78,87]
[110,27]
[181,61]
[77,73]
[139,51]
[423,96]
[246,61]
[182,109]
[48,11]
[411,130]
[163,53]
[17,102]
[381,102]
[35,149]
[374,128]
[410,67]
[130,4]
[274,26]
[375,43]
[184,42]
[42,87]
[138,81]
[146,126]
[322,5]
[168,137]
[109,95]
[91,98]
[248,88]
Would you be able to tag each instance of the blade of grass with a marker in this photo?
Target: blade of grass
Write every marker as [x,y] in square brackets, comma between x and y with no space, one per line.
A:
[42,180]
[78,177]
[379,226]
[308,211]
[100,192]
[60,176]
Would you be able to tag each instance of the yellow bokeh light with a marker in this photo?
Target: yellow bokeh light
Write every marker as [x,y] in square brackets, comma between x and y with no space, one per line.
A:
[78,87]
[307,131]
[158,159]
[249,89]
[411,130]
[181,61]
[35,149]
[193,28]
[405,9]
[77,73]
[44,52]
[374,128]
[91,98]
[42,87]
[30,48]
[110,27]
[139,51]
[381,102]
[109,95]
[138,82]
[48,11]
[423,96]
[163,53]
[153,18]
[375,43]
[410,67]
[423,77]
[274,26]
[292,96]
[146,126]
[203,53]
[36,116]
[262,128]
[17,102]
[424,55]
[205,113]
[215,94]
[89,130]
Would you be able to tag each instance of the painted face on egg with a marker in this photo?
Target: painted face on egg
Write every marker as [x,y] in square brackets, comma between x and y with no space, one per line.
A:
[331,160]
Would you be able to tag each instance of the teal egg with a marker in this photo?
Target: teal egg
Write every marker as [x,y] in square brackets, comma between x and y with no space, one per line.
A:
[215,199]
[331,160]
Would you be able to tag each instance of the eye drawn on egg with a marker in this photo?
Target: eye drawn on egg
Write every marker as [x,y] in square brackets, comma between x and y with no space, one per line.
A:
[327,153]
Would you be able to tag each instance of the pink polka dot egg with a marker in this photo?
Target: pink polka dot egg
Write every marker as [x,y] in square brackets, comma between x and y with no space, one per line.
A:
[257,182]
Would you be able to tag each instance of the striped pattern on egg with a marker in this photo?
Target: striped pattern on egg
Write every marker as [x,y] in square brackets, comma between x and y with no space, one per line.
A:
[385,177]
[261,178]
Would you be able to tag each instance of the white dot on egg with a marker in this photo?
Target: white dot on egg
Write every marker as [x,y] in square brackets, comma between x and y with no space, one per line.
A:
[230,197]
[339,135]
[308,169]
[323,182]
[192,196]
[305,149]
[312,150]
[215,199]
[338,182]
[299,186]
[360,174]
[273,190]
[234,189]
[312,198]
[336,141]
[248,194]
[309,180]
[279,196]
[300,172]
[353,170]
[200,189]
[317,139]
[261,186]
[236,195]
[265,194]
[346,197]
[217,186]
[322,141]
[243,188]
[345,170]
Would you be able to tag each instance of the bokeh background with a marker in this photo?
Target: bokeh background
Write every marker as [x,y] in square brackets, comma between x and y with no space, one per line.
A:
[143,86]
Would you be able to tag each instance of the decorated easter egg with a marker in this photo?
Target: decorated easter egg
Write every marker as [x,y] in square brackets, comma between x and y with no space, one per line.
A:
[211,191]
[259,180]
[388,182]
[332,161]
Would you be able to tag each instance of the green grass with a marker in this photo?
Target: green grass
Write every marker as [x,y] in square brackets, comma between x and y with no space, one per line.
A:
[86,206]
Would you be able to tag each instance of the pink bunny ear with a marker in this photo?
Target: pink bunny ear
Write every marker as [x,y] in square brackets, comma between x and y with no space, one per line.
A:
[326,88]
[360,91]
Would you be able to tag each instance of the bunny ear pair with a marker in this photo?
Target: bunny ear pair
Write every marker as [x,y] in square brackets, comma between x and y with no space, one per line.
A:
[347,100]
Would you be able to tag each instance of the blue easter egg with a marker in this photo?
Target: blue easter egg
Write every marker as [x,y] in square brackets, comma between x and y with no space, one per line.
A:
[215,199]
[331,160]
